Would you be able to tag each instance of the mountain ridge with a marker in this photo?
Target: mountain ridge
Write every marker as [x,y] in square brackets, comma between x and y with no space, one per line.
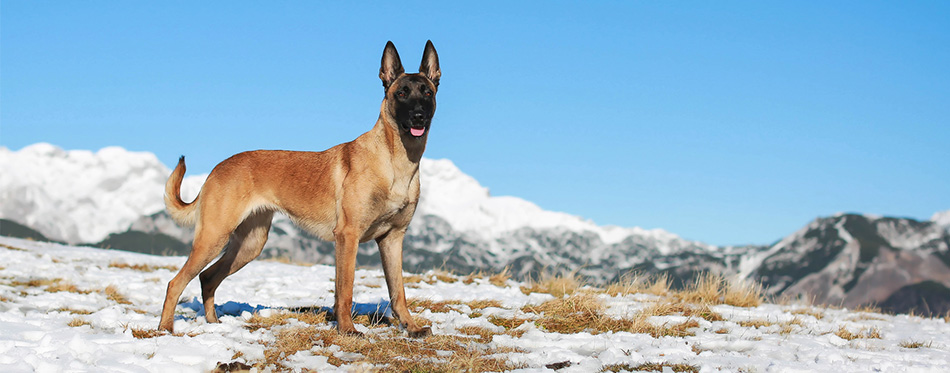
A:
[844,259]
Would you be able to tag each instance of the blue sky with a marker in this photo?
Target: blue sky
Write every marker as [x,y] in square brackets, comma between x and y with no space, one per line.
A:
[725,122]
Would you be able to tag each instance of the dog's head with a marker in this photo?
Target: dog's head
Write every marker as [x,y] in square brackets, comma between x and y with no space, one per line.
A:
[410,97]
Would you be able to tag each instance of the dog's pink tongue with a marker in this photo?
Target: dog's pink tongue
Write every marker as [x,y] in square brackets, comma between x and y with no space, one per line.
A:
[417,131]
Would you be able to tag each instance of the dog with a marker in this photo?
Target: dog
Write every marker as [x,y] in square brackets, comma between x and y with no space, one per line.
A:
[365,189]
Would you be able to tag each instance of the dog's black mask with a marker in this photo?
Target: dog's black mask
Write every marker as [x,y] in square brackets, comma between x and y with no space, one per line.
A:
[411,97]
[413,104]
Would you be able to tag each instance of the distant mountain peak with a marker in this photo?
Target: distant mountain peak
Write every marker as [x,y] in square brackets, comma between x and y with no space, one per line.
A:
[941,218]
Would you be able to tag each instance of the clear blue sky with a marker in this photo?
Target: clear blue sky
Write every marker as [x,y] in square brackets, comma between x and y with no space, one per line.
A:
[725,122]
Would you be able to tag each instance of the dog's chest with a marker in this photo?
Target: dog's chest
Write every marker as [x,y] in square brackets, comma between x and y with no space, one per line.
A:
[397,207]
[403,192]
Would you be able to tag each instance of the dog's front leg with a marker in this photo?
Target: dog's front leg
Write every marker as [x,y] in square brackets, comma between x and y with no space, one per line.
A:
[347,240]
[390,252]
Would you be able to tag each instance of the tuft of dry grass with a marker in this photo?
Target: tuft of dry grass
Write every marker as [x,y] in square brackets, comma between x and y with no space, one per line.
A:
[915,344]
[743,294]
[442,275]
[818,315]
[868,308]
[669,307]
[142,267]
[65,286]
[556,285]
[74,311]
[77,322]
[114,295]
[484,334]
[152,333]
[483,304]
[146,333]
[757,323]
[712,288]
[867,333]
[507,323]
[500,279]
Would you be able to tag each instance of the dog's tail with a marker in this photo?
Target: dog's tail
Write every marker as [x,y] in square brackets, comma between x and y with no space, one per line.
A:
[185,214]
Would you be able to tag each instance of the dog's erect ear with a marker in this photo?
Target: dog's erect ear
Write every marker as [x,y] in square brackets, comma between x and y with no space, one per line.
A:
[430,64]
[391,66]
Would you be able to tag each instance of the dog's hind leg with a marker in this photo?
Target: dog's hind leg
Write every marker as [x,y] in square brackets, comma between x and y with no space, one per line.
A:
[246,243]
[208,242]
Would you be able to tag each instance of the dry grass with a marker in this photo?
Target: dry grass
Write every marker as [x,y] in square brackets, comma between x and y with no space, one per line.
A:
[36,282]
[868,308]
[818,315]
[114,295]
[915,344]
[507,323]
[74,311]
[669,307]
[757,323]
[418,305]
[500,279]
[743,294]
[444,276]
[584,312]
[52,285]
[482,304]
[142,267]
[256,321]
[867,333]
[556,285]
[146,333]
[788,327]
[389,352]
[65,286]
[484,334]
[8,247]
[649,367]
[866,317]
[714,289]
[77,322]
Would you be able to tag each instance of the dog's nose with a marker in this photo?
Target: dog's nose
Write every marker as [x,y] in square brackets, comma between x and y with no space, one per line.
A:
[418,115]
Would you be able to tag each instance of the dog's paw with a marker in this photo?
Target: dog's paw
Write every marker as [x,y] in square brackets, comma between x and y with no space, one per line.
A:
[421,333]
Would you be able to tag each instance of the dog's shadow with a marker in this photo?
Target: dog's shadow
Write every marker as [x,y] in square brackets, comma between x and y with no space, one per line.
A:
[378,313]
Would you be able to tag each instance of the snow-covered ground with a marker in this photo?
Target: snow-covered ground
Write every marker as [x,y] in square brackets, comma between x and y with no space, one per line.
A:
[36,332]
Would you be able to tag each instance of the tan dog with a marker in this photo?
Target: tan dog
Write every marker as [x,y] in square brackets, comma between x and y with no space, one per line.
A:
[366,189]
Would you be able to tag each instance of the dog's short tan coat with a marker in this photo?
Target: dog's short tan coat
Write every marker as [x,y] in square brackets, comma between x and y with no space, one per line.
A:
[365,189]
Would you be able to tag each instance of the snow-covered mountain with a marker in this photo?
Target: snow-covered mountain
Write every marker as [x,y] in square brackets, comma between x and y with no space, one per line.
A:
[80,196]
[113,198]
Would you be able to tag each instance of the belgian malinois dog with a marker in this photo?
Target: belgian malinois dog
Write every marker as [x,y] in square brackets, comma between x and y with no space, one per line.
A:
[365,189]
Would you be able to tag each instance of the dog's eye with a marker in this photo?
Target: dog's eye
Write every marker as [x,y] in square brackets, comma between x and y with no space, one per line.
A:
[401,93]
[428,93]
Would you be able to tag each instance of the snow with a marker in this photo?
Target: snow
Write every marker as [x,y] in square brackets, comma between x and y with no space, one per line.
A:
[34,335]
[942,218]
